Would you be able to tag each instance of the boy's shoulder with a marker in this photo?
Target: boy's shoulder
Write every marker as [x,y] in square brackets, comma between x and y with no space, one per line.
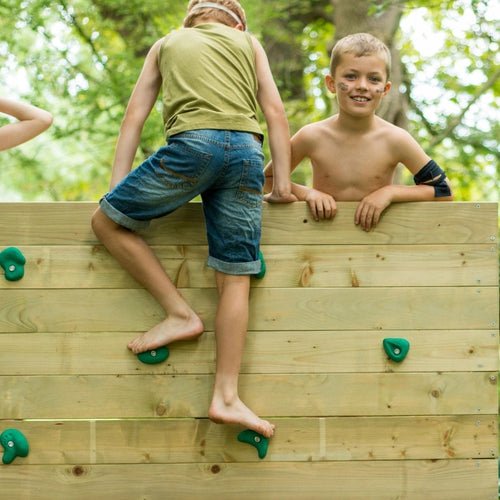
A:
[390,131]
[312,129]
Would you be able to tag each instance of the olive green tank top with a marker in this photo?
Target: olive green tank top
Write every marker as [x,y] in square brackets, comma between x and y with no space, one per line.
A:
[208,80]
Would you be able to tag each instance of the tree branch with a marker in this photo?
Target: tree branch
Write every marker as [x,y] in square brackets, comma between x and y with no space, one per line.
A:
[454,122]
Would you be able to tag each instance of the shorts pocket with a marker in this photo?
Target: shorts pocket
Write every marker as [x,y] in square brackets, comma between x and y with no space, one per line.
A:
[250,189]
[182,164]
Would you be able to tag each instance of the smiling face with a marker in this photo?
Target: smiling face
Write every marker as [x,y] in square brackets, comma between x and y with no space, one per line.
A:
[360,83]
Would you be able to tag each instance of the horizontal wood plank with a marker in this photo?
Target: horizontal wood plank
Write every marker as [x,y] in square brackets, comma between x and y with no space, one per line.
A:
[295,440]
[68,223]
[102,353]
[379,480]
[90,310]
[178,396]
[287,266]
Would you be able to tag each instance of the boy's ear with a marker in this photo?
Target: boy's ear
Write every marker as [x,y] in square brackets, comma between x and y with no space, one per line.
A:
[387,87]
[330,83]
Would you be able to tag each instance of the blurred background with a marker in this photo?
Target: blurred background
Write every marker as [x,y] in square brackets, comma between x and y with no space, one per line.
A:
[79,59]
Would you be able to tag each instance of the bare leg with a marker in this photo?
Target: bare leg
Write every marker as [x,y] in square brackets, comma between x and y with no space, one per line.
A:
[133,253]
[230,330]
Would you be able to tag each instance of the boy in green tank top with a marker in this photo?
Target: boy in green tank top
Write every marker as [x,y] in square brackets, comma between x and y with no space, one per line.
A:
[213,76]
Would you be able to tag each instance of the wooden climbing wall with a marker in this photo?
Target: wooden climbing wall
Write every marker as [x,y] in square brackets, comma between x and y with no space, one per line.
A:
[351,424]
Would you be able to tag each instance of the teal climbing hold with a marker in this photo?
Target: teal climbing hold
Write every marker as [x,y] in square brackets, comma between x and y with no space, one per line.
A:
[260,442]
[12,261]
[396,348]
[15,445]
[154,356]
[262,271]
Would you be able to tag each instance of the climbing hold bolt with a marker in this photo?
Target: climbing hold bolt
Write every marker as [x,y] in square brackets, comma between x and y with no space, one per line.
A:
[154,356]
[262,271]
[12,262]
[260,442]
[396,348]
[15,445]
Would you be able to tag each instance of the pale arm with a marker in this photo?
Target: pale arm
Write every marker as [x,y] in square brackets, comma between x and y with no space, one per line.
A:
[139,106]
[277,124]
[32,121]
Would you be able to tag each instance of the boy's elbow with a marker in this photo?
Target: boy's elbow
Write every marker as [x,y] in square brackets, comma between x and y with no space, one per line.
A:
[275,112]
[134,118]
[47,120]
[448,196]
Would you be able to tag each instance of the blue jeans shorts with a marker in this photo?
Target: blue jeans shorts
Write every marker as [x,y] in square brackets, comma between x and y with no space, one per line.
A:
[226,168]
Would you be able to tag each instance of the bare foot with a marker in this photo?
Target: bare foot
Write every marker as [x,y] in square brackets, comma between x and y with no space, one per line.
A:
[169,330]
[238,413]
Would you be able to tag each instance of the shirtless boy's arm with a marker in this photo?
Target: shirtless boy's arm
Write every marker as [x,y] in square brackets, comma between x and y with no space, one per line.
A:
[411,155]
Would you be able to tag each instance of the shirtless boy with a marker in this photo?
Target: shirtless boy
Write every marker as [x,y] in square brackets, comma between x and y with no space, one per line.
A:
[354,154]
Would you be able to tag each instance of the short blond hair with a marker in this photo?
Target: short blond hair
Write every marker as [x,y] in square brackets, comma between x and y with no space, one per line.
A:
[360,44]
[194,16]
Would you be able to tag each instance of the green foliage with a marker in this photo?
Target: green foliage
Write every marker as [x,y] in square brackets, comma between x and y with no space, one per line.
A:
[80,60]
[454,90]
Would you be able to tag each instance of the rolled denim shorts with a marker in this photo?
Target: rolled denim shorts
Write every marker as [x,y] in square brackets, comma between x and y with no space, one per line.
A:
[225,168]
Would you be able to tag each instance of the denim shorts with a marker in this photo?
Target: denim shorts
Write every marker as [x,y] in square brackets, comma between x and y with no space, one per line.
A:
[226,168]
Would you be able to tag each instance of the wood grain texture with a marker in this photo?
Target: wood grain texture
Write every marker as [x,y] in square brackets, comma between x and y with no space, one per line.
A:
[306,439]
[412,479]
[351,424]
[288,266]
[91,310]
[101,353]
[68,223]
[178,396]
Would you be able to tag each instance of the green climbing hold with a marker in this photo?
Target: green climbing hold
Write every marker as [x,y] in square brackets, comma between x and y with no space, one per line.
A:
[262,271]
[15,445]
[12,262]
[396,348]
[154,356]
[260,442]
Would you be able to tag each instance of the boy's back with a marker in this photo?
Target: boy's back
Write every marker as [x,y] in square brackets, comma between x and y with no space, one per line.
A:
[208,79]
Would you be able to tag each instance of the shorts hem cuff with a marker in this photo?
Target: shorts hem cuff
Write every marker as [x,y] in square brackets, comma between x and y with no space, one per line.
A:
[121,219]
[234,267]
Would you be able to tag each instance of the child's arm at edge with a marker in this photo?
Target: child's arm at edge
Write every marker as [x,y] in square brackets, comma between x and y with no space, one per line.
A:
[32,122]
[279,135]
[141,103]
[370,209]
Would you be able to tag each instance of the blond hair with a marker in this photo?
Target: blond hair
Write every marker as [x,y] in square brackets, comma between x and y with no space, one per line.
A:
[210,11]
[360,44]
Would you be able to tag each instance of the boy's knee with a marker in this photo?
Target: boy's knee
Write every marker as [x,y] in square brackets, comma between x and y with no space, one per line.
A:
[99,223]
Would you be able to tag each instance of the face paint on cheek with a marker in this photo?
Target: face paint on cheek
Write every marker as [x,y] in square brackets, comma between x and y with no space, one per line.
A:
[379,90]
[343,87]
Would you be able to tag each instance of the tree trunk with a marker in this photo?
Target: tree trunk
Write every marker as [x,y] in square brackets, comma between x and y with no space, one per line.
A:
[283,43]
[353,16]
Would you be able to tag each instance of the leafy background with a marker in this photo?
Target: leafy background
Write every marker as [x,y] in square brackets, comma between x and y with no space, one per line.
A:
[80,59]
